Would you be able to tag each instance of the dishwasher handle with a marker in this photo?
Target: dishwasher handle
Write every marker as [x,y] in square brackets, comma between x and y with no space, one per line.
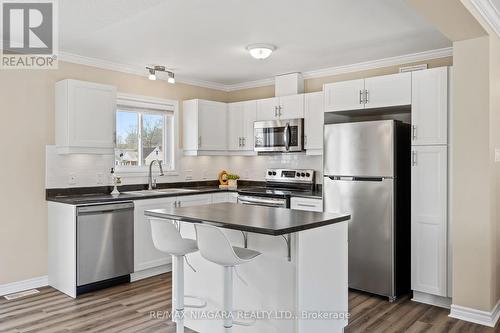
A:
[106,208]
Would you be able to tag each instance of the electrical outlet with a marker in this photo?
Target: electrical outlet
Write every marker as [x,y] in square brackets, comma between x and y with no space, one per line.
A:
[100,178]
[72,180]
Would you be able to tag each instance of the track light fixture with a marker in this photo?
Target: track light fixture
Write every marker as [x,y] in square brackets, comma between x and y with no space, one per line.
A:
[153,69]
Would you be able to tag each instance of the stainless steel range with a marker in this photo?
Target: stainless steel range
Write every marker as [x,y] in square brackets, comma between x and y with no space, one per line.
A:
[281,185]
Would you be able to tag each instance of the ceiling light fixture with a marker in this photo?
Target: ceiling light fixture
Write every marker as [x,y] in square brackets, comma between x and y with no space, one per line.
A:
[261,51]
[153,69]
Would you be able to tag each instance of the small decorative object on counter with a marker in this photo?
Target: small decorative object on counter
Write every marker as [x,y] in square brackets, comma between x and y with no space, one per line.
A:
[116,181]
[222,179]
[232,181]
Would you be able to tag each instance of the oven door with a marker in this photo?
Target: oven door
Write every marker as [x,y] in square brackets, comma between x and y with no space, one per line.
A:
[279,135]
[262,201]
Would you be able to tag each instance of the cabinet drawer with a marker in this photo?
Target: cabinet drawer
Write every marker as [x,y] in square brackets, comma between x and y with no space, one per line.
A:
[308,204]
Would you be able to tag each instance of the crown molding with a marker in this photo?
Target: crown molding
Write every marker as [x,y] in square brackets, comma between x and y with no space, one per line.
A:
[489,12]
[132,69]
[386,62]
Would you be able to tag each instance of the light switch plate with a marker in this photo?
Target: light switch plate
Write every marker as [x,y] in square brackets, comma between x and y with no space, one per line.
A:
[497,154]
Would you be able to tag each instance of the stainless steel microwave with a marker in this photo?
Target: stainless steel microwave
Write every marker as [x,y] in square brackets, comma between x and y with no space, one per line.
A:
[284,135]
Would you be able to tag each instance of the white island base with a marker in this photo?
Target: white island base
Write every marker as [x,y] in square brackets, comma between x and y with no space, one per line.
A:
[313,283]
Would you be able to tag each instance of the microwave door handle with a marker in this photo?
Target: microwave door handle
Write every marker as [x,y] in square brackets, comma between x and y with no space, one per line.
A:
[286,136]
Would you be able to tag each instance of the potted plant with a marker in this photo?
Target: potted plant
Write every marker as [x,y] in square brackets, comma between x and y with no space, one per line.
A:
[232,180]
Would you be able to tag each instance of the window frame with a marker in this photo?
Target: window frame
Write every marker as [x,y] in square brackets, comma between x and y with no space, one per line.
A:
[151,105]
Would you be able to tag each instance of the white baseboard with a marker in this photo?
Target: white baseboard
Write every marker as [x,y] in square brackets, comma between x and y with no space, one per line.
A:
[442,302]
[144,274]
[15,287]
[486,318]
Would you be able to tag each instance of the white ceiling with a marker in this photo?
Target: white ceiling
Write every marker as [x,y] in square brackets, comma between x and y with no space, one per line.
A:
[206,39]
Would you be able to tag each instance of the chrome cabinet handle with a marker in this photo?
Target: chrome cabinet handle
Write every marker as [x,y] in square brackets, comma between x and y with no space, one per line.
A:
[413,158]
[243,140]
[199,141]
[276,111]
[279,110]
[361,97]
[366,96]
[414,132]
[305,139]
[239,141]
[306,205]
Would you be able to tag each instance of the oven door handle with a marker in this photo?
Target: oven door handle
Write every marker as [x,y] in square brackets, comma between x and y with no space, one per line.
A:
[286,136]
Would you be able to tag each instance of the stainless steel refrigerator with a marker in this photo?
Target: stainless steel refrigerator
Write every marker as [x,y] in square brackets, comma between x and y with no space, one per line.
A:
[367,174]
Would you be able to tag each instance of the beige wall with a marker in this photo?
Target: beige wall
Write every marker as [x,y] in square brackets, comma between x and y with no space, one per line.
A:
[27,110]
[312,85]
[472,177]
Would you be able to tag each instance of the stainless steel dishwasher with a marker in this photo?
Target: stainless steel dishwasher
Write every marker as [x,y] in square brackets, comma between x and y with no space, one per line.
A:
[105,245]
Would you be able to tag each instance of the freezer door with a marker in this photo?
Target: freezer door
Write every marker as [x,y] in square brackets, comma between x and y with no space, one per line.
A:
[364,149]
[370,203]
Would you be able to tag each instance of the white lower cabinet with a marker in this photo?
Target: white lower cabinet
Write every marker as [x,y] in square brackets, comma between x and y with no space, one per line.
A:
[429,246]
[145,254]
[307,204]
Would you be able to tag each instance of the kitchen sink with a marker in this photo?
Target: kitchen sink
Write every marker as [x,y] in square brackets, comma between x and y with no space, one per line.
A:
[160,191]
[175,190]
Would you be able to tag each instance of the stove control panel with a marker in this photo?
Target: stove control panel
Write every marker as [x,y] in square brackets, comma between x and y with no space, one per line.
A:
[290,175]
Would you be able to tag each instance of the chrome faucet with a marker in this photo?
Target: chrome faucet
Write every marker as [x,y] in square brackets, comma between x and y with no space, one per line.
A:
[150,182]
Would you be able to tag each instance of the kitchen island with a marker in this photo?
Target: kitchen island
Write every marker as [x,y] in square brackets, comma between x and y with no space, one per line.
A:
[298,284]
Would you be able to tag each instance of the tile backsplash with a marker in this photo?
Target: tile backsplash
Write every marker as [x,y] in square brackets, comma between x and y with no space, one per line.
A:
[79,170]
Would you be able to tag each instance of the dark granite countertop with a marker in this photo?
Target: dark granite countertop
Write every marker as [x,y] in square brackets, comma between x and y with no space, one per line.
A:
[88,196]
[256,219]
[95,198]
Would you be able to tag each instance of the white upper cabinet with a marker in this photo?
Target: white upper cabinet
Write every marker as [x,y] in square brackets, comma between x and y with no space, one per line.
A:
[291,107]
[370,93]
[241,116]
[346,95]
[267,109]
[205,126]
[313,121]
[85,117]
[430,107]
[285,107]
[388,90]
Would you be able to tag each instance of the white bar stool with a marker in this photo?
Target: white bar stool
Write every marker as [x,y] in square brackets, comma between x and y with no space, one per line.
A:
[168,239]
[215,247]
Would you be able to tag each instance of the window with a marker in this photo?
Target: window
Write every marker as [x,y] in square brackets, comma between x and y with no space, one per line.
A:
[142,136]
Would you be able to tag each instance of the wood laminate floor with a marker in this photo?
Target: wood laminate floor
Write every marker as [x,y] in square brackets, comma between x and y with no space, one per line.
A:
[127,308]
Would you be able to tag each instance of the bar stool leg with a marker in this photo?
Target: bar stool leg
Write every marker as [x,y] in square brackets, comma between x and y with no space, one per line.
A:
[179,292]
[228,299]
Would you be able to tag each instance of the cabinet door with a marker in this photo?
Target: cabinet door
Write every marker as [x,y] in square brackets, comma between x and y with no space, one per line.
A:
[429,107]
[235,131]
[291,107]
[344,96]
[267,109]
[91,114]
[313,120]
[429,219]
[212,124]
[249,117]
[388,90]
[145,254]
